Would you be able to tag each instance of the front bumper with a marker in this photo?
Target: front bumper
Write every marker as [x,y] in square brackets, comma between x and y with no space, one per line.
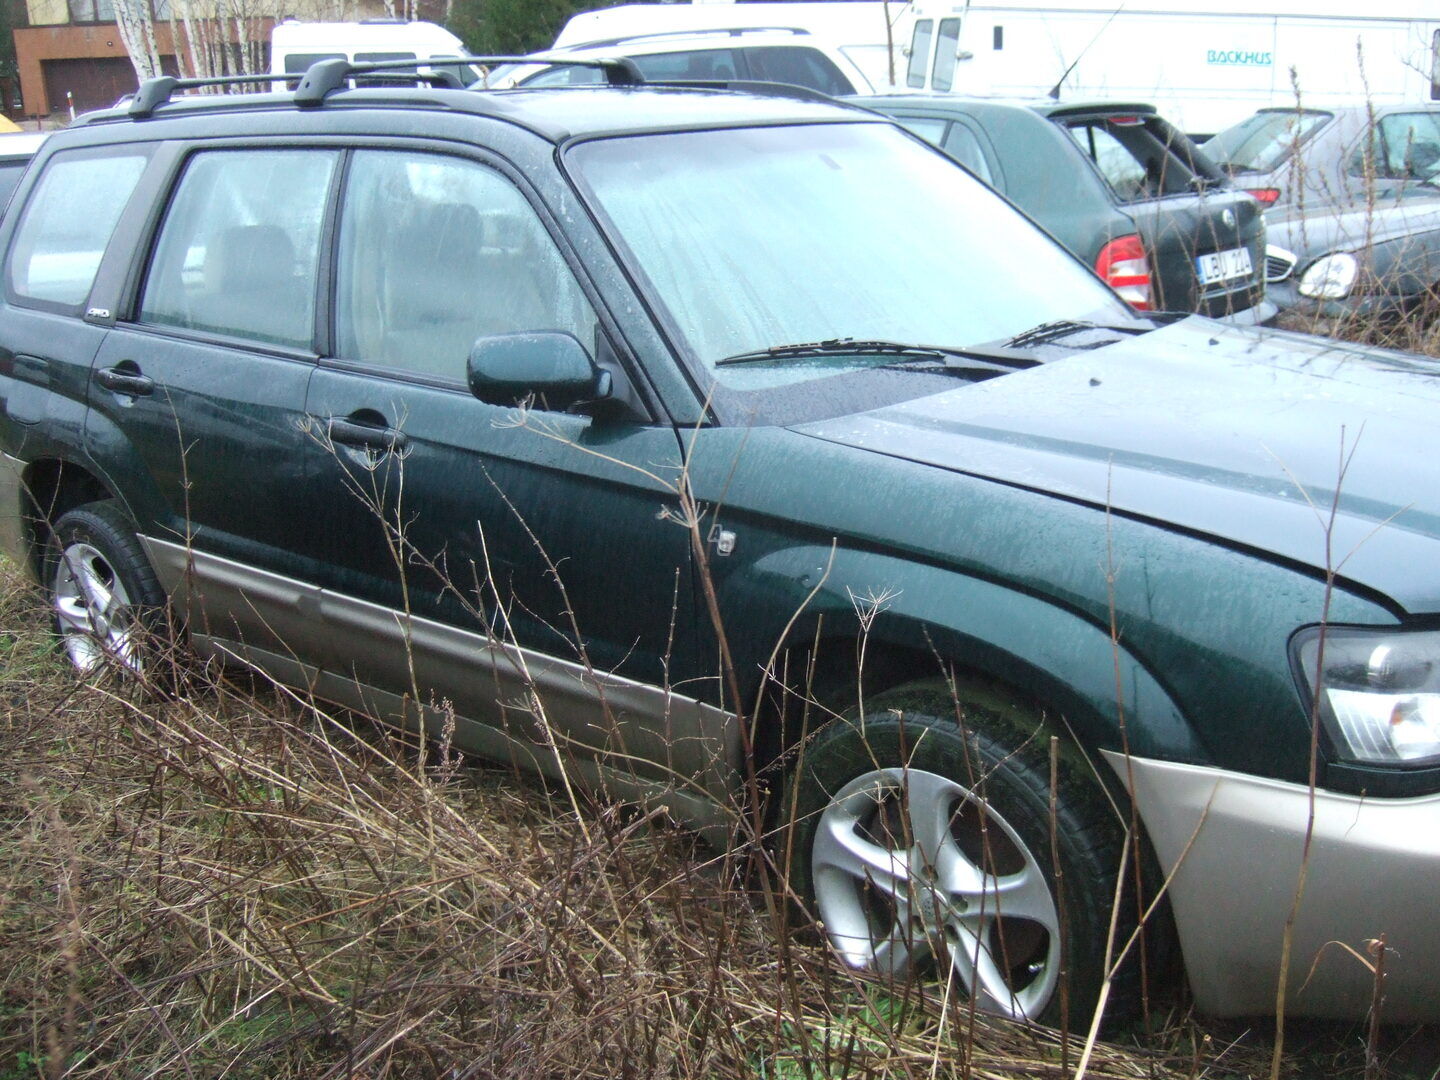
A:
[1374,868]
[1356,306]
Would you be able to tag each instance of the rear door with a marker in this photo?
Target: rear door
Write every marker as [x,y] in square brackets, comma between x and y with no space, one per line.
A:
[198,392]
[1204,240]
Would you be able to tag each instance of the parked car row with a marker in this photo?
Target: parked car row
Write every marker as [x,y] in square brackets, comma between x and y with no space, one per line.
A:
[1354,206]
[919,423]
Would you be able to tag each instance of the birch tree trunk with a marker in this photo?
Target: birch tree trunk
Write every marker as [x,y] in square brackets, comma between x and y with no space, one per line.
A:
[137,34]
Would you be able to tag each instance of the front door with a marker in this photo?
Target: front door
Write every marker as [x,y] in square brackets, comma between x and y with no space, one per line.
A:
[479,552]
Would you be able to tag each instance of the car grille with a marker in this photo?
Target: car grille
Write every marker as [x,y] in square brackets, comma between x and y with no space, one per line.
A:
[1278,263]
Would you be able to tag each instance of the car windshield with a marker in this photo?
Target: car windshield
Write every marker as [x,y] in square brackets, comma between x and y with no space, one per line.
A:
[760,239]
[1262,142]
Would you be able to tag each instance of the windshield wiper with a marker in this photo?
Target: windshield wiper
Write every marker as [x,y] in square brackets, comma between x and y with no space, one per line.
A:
[1049,332]
[906,354]
[832,347]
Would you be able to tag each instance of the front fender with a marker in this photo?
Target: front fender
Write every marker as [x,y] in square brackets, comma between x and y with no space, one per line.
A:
[1053,655]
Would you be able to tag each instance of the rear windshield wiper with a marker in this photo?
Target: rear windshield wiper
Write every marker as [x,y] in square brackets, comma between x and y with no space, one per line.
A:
[903,352]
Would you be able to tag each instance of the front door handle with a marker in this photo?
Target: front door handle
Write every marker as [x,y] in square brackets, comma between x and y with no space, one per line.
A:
[380,439]
[125,381]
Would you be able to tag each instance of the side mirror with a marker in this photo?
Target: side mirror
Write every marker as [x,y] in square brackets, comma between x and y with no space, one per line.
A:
[507,368]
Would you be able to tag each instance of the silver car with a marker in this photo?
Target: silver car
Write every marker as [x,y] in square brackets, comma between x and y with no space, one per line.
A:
[1354,156]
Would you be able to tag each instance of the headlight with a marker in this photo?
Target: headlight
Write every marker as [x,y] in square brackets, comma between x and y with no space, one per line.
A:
[1379,693]
[1330,277]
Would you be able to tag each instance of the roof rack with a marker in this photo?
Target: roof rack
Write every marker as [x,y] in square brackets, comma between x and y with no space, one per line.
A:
[325,76]
[156,92]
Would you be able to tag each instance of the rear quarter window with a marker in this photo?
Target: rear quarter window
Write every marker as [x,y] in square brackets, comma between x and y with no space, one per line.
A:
[67,223]
[797,66]
[1136,163]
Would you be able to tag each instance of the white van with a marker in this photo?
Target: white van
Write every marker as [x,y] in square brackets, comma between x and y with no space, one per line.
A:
[294,45]
[870,34]
[1204,68]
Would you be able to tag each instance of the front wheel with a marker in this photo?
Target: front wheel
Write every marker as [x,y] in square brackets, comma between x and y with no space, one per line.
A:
[103,591]
[921,846]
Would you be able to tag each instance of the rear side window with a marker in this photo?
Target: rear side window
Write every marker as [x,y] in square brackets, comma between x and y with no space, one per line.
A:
[964,147]
[920,52]
[1435,67]
[704,64]
[947,51]
[240,246]
[1134,161]
[67,224]
[10,173]
[797,66]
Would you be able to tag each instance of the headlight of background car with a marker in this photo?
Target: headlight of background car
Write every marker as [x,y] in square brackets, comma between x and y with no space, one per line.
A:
[1330,277]
[1380,692]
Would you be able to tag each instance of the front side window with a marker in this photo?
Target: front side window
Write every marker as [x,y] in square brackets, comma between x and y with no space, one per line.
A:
[759,238]
[67,224]
[947,52]
[438,252]
[1411,143]
[920,52]
[239,249]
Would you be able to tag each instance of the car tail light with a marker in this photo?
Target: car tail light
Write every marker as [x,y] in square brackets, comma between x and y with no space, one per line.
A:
[1123,265]
[1265,196]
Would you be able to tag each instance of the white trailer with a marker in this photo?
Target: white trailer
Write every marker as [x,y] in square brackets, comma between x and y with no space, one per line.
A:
[1204,63]
[872,34]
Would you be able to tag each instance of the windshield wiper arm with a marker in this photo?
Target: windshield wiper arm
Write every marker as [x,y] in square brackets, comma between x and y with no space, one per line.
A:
[905,354]
[833,347]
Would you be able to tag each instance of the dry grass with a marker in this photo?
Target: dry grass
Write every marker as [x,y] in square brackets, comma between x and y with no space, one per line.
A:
[1417,332]
[228,882]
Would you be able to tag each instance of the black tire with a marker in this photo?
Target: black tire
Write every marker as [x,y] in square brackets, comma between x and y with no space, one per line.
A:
[105,600]
[865,791]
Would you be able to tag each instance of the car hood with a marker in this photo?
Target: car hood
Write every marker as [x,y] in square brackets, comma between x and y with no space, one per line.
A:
[1321,229]
[1236,434]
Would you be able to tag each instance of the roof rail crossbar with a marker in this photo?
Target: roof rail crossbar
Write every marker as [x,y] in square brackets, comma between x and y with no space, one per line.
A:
[156,92]
[325,76]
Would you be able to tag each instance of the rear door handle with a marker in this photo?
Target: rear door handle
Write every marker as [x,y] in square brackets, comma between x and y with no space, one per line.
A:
[382,439]
[123,381]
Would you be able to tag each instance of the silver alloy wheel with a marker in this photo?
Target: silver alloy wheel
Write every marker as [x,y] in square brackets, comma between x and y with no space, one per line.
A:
[898,864]
[92,609]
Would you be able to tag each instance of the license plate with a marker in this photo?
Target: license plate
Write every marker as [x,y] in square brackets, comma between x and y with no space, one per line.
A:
[1224,265]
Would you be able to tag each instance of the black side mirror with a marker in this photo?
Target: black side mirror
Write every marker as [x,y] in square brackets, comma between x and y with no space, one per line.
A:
[552,367]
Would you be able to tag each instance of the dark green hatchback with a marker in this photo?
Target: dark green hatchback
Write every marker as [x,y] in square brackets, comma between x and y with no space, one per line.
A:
[666,437]
[1117,185]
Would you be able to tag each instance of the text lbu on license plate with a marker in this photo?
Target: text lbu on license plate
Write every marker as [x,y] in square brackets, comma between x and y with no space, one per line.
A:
[1224,265]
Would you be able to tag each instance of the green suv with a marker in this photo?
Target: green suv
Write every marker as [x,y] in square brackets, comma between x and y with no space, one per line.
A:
[673,437]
